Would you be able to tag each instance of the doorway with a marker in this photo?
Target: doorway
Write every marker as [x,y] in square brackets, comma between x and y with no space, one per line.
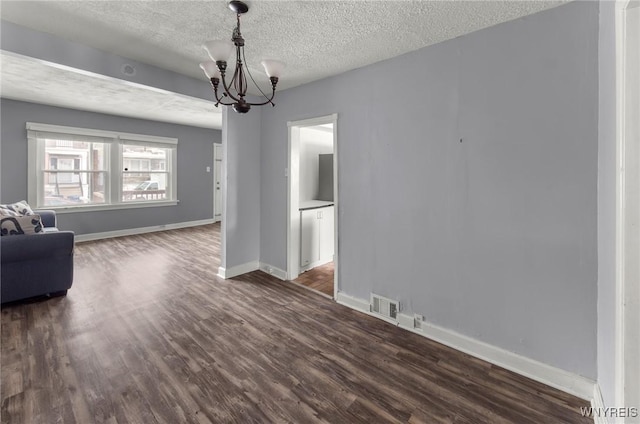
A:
[312,231]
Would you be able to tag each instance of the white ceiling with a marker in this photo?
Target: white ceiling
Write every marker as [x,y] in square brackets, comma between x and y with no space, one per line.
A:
[316,39]
[37,81]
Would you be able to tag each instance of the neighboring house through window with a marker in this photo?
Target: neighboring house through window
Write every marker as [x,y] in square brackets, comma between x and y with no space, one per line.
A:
[85,169]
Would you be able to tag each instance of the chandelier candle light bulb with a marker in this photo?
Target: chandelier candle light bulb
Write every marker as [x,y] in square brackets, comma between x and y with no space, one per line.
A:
[236,89]
[210,70]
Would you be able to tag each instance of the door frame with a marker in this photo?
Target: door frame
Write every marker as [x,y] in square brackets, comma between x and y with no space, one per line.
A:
[293,195]
[217,146]
[627,362]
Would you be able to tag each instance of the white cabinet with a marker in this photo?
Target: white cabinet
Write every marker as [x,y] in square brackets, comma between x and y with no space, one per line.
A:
[316,237]
[309,237]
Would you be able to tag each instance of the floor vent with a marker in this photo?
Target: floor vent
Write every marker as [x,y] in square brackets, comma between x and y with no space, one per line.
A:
[386,307]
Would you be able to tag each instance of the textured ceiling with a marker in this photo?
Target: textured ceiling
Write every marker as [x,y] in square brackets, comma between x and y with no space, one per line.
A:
[316,39]
[36,81]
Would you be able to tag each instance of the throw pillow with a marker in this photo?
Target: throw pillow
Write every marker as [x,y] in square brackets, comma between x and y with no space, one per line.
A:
[16,209]
[14,225]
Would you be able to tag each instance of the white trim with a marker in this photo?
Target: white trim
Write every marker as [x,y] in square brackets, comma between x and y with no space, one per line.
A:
[34,156]
[80,238]
[361,305]
[597,403]
[113,143]
[568,382]
[293,214]
[34,126]
[173,164]
[313,122]
[99,207]
[336,199]
[405,321]
[272,270]
[238,269]
[354,303]
[619,295]
[293,201]
[627,292]
[217,152]
[222,272]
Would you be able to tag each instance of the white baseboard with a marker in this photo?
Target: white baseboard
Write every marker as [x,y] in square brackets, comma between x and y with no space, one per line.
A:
[568,382]
[252,266]
[405,321]
[238,269]
[353,302]
[142,230]
[222,272]
[363,306]
[272,270]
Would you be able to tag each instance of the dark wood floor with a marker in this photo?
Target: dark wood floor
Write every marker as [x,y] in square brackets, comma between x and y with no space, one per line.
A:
[319,278]
[148,333]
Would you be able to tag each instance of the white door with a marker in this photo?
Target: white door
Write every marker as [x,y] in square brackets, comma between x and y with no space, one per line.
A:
[217,181]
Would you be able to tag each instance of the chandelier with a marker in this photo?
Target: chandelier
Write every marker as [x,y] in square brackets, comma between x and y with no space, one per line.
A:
[235,90]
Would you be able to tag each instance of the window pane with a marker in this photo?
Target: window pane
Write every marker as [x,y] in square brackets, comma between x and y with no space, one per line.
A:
[79,186]
[146,173]
[80,155]
[74,188]
[144,158]
[138,187]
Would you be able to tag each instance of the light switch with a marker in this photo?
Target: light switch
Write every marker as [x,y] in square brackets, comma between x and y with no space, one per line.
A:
[208,169]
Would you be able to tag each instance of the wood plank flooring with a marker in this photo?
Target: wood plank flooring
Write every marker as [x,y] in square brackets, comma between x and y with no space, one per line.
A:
[149,334]
[319,278]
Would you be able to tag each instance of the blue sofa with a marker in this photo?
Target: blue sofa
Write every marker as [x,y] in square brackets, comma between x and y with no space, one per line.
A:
[37,265]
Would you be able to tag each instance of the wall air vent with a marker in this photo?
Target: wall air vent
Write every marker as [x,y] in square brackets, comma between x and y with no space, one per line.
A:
[385,307]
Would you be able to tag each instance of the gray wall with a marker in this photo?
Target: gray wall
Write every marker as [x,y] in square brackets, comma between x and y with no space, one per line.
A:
[241,188]
[607,204]
[195,149]
[493,237]
[195,153]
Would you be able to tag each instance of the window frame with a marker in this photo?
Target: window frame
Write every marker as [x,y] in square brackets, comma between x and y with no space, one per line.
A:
[115,140]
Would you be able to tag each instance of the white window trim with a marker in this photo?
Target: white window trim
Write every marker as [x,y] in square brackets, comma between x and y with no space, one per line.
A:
[102,207]
[33,126]
[118,139]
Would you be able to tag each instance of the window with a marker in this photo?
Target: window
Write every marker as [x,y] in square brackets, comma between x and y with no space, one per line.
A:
[84,169]
[74,172]
[144,176]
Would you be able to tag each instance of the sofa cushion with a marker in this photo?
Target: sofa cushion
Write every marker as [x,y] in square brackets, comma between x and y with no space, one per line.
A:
[16,209]
[16,225]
